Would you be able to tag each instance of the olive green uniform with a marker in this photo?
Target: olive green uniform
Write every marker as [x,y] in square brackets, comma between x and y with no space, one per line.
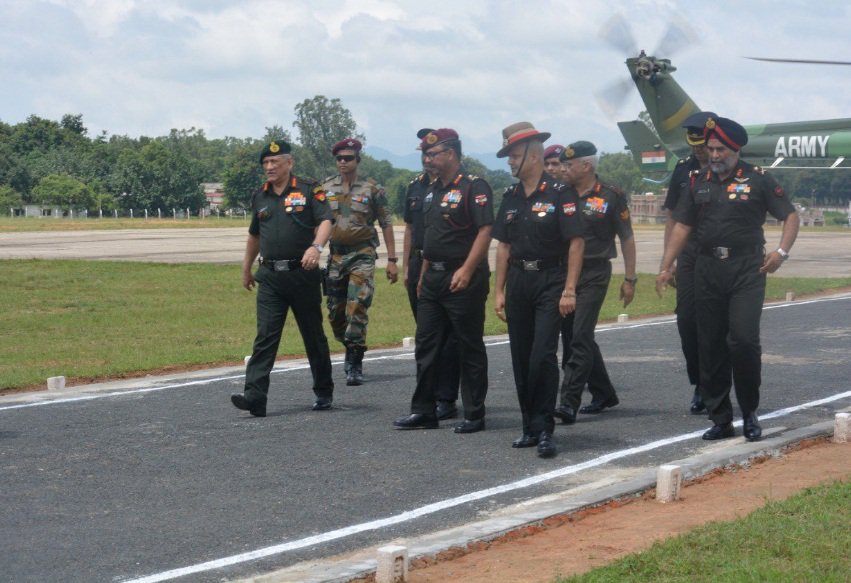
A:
[285,224]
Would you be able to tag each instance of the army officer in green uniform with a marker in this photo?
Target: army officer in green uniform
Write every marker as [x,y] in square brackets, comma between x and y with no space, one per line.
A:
[290,224]
[356,204]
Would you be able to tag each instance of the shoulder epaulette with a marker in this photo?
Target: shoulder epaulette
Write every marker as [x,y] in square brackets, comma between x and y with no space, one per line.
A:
[613,188]
[472,177]
[332,177]
[559,186]
[694,172]
[683,160]
[759,169]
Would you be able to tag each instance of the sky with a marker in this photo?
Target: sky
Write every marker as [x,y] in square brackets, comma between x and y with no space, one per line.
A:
[233,68]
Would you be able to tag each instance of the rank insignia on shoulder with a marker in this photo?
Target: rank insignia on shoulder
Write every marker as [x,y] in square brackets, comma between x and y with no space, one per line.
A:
[472,177]
[683,161]
[759,169]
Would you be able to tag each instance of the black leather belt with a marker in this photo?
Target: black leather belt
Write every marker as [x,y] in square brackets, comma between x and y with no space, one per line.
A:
[450,265]
[281,264]
[727,252]
[536,264]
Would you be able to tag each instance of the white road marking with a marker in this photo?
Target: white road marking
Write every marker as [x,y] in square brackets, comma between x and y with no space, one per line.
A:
[451,502]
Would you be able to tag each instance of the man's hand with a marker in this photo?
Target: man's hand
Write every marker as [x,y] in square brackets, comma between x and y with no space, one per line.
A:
[392,272]
[248,279]
[627,292]
[460,280]
[771,263]
[499,305]
[567,304]
[662,282]
[310,260]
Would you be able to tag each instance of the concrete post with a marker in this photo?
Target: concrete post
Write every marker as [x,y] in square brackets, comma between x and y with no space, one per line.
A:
[669,478]
[392,564]
[55,383]
[842,428]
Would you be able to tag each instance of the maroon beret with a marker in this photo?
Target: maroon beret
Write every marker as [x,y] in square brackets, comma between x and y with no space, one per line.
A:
[554,150]
[435,137]
[347,144]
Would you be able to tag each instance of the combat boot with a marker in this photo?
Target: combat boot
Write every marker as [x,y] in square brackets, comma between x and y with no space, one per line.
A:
[355,375]
[347,364]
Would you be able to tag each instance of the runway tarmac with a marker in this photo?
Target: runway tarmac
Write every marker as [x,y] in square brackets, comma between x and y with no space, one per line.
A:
[162,479]
[815,254]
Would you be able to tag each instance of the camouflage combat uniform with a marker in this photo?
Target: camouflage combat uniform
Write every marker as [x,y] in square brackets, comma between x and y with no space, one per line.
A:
[351,264]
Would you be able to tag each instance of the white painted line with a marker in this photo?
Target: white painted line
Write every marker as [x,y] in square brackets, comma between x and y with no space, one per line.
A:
[605,328]
[451,502]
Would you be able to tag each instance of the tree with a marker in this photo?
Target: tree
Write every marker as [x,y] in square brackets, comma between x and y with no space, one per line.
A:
[242,177]
[74,124]
[9,199]
[620,170]
[155,177]
[63,191]
[321,123]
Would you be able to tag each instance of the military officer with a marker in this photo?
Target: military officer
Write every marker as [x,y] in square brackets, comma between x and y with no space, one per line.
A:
[356,204]
[604,214]
[412,257]
[686,311]
[454,284]
[290,224]
[727,204]
[538,261]
[552,160]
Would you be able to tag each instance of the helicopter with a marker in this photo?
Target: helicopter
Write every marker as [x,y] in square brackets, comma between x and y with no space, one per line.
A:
[658,145]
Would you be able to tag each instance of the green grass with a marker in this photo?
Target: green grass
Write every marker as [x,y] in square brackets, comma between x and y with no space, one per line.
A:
[99,319]
[22,224]
[804,538]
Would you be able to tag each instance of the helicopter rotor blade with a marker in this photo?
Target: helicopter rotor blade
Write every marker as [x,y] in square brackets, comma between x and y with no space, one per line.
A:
[678,36]
[612,98]
[618,34]
[800,61]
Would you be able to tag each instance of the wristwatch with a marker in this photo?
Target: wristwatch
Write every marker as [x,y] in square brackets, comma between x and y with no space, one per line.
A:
[783,253]
[632,280]
[318,247]
[392,259]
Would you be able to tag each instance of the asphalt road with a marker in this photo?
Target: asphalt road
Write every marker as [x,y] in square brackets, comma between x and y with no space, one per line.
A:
[158,479]
[815,254]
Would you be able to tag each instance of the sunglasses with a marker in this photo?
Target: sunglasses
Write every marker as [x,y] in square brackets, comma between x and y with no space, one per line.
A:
[345,158]
[431,154]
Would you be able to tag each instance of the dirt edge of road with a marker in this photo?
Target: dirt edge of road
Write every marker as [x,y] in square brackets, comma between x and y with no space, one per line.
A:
[576,542]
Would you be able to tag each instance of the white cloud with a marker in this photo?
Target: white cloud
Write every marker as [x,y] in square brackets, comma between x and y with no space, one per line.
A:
[143,67]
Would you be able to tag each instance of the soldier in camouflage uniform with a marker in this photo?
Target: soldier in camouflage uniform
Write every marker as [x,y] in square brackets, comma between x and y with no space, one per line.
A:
[356,204]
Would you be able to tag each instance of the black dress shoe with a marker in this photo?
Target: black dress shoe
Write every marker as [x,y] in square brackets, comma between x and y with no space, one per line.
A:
[446,410]
[525,440]
[752,429]
[470,426]
[719,432]
[546,447]
[240,402]
[595,407]
[697,405]
[322,404]
[416,421]
[566,414]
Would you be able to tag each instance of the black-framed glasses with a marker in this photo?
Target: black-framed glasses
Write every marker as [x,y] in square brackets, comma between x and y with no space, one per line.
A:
[431,154]
[345,158]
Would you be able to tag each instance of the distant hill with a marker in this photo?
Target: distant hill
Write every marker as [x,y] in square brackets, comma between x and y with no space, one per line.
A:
[412,161]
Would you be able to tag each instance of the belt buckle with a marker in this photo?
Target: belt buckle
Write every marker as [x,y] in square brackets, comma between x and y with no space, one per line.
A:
[282,265]
[721,252]
[438,265]
[531,265]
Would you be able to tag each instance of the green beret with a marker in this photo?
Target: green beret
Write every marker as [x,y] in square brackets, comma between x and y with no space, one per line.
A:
[578,149]
[274,148]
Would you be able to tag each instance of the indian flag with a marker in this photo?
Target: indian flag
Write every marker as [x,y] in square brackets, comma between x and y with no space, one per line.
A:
[655,158]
